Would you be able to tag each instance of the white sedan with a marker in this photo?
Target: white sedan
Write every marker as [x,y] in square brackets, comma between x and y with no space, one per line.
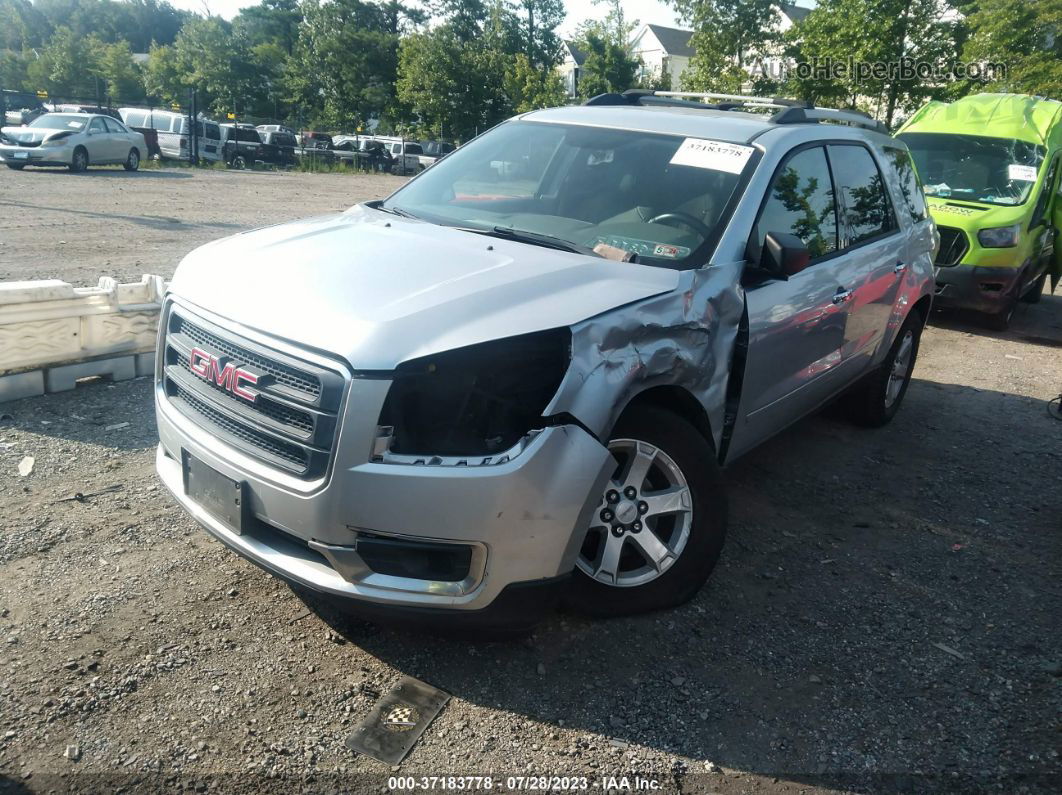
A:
[74,140]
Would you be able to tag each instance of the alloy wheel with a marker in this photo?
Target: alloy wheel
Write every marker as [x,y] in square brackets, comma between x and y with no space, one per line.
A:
[901,367]
[643,522]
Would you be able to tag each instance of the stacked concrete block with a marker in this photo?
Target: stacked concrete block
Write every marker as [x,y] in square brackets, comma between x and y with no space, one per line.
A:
[52,334]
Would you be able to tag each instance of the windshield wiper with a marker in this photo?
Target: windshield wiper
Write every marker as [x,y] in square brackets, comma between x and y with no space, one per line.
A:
[396,211]
[532,238]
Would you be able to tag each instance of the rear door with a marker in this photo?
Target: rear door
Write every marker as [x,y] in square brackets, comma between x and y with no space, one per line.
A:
[797,327]
[875,250]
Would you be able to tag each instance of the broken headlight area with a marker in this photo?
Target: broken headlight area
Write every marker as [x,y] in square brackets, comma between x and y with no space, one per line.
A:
[476,401]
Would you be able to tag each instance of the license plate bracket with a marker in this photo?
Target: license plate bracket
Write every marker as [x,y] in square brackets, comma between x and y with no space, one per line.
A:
[220,496]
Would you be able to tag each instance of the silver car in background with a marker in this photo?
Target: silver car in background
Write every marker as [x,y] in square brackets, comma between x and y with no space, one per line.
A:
[74,140]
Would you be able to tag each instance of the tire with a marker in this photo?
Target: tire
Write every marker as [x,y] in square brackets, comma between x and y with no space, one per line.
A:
[132,161]
[15,166]
[875,401]
[239,162]
[1000,321]
[1035,291]
[690,530]
[80,161]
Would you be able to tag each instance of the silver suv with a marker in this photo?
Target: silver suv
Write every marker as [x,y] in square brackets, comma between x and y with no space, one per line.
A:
[521,374]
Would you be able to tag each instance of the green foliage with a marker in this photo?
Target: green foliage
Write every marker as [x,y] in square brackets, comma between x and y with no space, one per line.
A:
[876,31]
[608,66]
[728,36]
[68,66]
[530,88]
[1026,36]
[450,85]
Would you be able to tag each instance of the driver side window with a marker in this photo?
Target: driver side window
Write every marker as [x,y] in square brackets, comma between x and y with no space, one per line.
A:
[97,126]
[801,202]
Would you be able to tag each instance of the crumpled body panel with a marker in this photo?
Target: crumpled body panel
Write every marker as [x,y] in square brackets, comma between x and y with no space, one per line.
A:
[684,338]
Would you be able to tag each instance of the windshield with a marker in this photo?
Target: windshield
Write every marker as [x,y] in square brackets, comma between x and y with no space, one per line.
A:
[657,196]
[56,121]
[974,167]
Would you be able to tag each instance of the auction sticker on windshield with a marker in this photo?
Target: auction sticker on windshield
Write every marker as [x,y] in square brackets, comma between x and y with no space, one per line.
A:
[1019,173]
[716,155]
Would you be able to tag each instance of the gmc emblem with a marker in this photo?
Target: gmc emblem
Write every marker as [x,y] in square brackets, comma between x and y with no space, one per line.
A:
[221,371]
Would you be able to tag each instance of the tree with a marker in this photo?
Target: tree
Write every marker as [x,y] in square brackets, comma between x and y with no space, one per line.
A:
[529,88]
[1027,37]
[450,86]
[881,37]
[729,36]
[163,75]
[68,67]
[537,30]
[343,69]
[272,22]
[124,82]
[608,66]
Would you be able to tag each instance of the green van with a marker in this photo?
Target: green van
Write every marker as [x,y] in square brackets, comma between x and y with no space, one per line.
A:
[989,165]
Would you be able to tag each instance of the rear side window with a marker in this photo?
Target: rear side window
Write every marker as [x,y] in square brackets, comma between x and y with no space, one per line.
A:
[135,118]
[865,205]
[800,202]
[212,131]
[162,123]
[910,186]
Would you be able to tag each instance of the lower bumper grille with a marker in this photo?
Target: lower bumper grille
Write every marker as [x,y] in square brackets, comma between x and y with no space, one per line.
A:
[279,409]
[953,246]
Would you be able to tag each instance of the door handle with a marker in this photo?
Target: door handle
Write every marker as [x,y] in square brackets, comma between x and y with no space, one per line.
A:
[841,296]
[900,268]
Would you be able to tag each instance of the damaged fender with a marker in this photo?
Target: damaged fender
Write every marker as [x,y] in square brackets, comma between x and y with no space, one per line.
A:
[683,338]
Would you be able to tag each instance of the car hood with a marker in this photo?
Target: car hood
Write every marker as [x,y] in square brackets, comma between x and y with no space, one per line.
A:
[378,289]
[971,216]
[32,135]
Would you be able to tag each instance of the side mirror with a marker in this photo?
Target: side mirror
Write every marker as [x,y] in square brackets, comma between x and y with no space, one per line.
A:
[783,255]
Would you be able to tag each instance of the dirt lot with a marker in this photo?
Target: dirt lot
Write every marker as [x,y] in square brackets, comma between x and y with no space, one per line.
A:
[885,616]
[108,222]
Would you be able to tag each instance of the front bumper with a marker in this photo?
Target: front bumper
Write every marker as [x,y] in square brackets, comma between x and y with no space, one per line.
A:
[36,155]
[979,288]
[524,519]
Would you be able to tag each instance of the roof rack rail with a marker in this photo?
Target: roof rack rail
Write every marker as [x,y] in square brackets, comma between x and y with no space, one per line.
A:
[791,111]
[856,118]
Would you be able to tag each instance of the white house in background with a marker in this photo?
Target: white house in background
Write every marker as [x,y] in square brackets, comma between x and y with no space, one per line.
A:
[571,67]
[668,50]
[663,50]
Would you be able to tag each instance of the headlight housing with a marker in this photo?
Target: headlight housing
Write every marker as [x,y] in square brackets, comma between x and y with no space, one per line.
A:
[56,140]
[999,237]
[475,401]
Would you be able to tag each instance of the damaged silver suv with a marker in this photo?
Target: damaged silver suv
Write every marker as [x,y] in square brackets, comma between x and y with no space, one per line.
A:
[521,374]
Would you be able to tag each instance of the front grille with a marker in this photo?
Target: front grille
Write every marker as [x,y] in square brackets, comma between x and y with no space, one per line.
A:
[953,246]
[292,422]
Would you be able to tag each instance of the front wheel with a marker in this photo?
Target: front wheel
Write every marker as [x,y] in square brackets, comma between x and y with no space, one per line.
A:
[1036,290]
[132,162]
[239,162]
[876,400]
[79,162]
[1000,321]
[657,533]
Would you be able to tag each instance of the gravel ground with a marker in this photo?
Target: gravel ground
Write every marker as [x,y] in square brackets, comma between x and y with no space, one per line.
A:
[108,222]
[884,617]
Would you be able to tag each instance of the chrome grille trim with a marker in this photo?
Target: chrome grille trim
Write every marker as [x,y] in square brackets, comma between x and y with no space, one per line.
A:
[293,422]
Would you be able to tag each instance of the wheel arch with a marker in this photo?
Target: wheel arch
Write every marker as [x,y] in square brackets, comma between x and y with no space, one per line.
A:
[676,399]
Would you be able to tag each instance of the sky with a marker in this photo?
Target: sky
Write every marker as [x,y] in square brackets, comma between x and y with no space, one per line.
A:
[578,10]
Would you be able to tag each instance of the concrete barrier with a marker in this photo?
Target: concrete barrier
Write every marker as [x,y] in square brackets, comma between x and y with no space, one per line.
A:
[52,333]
